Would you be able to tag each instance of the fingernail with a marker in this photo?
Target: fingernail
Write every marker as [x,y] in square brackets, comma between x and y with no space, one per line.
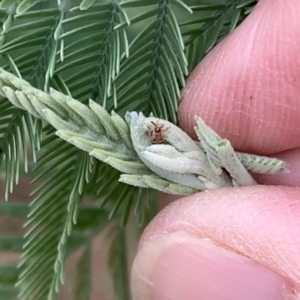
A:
[183,267]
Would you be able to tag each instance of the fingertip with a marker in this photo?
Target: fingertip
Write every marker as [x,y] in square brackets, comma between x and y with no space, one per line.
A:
[246,88]
[181,266]
[260,222]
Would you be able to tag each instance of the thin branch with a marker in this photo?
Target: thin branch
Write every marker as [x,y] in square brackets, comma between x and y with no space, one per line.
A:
[182,166]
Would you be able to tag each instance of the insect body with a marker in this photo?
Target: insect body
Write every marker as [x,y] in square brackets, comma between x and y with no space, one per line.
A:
[157,132]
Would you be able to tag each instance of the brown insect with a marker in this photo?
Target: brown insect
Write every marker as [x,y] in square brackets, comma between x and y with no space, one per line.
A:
[157,132]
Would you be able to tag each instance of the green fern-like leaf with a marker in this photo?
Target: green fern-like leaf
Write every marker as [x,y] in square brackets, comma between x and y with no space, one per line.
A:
[151,78]
[98,61]
[49,225]
[15,125]
[38,34]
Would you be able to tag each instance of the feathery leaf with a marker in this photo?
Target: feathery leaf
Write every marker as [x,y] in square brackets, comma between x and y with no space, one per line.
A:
[157,55]
[15,125]
[102,53]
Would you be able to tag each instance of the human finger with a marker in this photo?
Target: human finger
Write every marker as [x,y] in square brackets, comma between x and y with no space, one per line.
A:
[234,243]
[247,87]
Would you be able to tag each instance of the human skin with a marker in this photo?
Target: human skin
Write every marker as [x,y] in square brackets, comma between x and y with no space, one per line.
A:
[237,243]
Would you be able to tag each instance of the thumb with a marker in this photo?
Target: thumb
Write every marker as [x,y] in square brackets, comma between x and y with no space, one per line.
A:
[229,244]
